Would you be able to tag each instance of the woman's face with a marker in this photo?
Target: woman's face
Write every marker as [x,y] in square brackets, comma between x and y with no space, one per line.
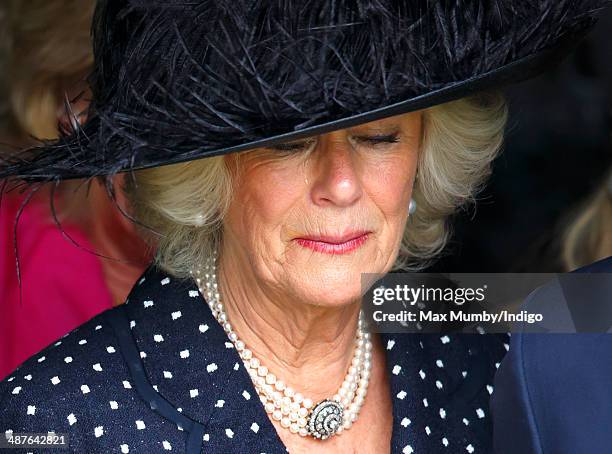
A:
[308,217]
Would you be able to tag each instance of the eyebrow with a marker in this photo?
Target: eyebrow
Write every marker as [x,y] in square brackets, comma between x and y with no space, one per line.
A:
[380,129]
[383,128]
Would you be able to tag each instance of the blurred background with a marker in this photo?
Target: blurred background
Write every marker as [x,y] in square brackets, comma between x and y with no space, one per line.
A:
[547,208]
[548,204]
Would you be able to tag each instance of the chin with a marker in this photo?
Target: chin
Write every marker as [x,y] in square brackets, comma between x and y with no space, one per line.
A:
[330,289]
[351,261]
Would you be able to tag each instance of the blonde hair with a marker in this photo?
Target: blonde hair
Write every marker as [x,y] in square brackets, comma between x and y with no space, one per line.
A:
[588,238]
[48,49]
[185,203]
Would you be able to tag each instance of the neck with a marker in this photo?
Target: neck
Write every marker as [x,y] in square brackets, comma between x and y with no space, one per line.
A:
[308,347]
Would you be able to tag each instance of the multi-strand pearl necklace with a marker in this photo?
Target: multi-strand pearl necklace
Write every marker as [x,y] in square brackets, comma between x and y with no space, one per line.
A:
[292,409]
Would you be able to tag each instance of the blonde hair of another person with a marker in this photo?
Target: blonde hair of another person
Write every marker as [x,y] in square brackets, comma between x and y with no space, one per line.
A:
[48,53]
[588,237]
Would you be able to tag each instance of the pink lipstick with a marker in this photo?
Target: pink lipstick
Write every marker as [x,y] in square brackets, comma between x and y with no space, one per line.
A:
[334,244]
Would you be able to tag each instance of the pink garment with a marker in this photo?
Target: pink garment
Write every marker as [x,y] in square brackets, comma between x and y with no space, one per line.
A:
[62,285]
[113,235]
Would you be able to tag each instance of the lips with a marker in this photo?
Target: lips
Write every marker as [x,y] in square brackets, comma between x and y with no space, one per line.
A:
[333,244]
[335,239]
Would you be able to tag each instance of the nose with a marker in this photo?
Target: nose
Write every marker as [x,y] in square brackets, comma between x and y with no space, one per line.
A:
[336,179]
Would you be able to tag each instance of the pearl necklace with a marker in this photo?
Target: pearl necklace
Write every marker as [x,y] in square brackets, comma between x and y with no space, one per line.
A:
[292,409]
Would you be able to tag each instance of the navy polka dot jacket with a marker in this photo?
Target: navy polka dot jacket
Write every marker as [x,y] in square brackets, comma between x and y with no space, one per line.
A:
[159,374]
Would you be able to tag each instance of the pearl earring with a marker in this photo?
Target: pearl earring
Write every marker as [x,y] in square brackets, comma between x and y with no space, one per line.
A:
[412,207]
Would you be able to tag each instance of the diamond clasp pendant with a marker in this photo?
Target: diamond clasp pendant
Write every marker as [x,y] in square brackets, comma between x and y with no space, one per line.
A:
[325,419]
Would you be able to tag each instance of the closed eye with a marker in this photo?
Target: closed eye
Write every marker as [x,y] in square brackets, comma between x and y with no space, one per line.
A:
[292,146]
[304,144]
[380,139]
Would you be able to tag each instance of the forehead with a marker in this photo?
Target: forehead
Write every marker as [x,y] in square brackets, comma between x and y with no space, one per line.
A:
[402,122]
[408,124]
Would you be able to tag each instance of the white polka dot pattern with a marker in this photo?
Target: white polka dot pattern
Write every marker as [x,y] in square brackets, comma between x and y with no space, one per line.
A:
[83,386]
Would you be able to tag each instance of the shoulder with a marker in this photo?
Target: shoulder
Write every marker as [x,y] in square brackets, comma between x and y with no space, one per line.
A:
[601,266]
[51,388]
[460,365]
[552,392]
[87,356]
[465,357]
[450,380]
[551,387]
[562,302]
[555,298]
[461,351]
[459,369]
[81,385]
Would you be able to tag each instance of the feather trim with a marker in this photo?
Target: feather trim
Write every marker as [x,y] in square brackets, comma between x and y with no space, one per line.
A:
[176,80]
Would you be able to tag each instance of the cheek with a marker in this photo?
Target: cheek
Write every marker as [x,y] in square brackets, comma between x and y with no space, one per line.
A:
[263,200]
[390,185]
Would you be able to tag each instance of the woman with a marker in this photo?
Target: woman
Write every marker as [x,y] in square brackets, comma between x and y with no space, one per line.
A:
[49,55]
[45,57]
[46,51]
[356,149]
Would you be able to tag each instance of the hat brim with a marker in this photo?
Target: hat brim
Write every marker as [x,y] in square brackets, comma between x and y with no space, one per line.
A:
[82,155]
[515,72]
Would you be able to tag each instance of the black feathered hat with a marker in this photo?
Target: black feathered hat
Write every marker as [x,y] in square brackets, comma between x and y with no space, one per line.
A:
[178,80]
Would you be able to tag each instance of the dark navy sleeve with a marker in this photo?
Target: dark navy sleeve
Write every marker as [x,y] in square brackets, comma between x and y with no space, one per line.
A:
[553,392]
[514,424]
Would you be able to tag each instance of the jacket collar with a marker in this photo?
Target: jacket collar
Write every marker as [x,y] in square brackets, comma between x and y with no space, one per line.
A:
[190,361]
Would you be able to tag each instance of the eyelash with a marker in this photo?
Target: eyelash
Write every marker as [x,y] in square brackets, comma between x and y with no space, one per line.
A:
[374,140]
[389,138]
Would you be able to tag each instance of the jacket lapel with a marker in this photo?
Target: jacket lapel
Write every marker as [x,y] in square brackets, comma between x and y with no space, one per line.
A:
[190,361]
